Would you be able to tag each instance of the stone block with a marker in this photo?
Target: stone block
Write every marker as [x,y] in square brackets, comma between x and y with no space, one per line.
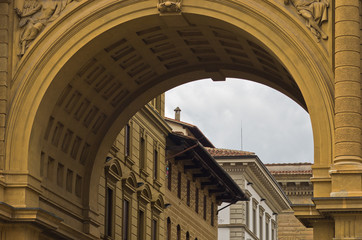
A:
[3,50]
[4,35]
[4,8]
[3,64]
[3,22]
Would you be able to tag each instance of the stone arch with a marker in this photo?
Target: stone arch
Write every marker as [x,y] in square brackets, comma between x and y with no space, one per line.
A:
[39,94]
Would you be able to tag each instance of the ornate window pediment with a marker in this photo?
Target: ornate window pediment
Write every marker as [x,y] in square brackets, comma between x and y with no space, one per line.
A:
[113,170]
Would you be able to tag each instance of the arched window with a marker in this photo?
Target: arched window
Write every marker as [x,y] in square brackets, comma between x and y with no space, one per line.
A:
[168,229]
[178,232]
[187,236]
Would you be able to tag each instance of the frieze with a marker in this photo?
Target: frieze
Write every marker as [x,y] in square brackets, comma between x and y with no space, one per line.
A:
[35,16]
[315,12]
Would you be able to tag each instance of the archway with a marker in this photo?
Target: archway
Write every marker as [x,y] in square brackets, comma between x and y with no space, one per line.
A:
[94,68]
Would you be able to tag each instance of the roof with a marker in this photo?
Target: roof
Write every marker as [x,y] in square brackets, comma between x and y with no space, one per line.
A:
[203,166]
[258,171]
[290,168]
[218,152]
[194,130]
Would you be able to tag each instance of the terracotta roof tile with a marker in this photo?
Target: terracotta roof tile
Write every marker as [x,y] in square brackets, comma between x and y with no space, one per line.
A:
[218,152]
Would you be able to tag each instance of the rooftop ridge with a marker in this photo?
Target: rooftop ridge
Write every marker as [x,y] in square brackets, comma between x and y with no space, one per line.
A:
[227,152]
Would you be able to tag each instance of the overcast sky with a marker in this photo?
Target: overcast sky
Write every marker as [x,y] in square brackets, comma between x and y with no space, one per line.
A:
[273,126]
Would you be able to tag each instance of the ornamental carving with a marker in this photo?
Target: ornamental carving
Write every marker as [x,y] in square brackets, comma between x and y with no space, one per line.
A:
[169,6]
[315,12]
[34,16]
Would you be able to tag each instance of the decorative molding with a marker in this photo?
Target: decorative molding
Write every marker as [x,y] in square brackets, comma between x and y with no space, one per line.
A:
[315,13]
[169,6]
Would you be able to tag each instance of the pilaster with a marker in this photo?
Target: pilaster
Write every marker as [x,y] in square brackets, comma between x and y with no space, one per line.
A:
[347,164]
[4,72]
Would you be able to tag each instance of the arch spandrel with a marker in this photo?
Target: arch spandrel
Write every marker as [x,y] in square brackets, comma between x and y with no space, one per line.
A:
[83,38]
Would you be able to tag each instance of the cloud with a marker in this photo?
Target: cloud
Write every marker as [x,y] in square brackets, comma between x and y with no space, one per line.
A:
[273,126]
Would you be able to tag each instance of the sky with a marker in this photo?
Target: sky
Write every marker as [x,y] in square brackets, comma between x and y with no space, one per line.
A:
[269,123]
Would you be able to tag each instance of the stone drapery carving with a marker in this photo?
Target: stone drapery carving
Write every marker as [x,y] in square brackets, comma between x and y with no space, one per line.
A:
[34,16]
[167,6]
[314,12]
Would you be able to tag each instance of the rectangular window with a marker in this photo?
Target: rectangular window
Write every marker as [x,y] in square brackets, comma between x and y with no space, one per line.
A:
[273,231]
[266,230]
[69,181]
[197,200]
[179,185]
[141,225]
[188,193]
[154,229]
[142,153]
[50,168]
[261,227]
[78,186]
[247,213]
[212,214]
[254,220]
[109,212]
[125,220]
[60,174]
[205,207]
[169,176]
[127,140]
[155,164]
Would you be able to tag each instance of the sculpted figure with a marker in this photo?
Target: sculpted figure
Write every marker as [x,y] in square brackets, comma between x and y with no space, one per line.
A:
[36,14]
[314,12]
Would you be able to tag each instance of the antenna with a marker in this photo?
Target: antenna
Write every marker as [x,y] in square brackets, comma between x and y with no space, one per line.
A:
[241,135]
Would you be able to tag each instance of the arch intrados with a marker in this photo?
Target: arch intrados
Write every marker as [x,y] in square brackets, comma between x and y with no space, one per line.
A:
[33,88]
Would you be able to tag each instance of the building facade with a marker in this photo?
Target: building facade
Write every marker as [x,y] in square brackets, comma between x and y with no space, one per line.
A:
[131,188]
[257,218]
[196,185]
[295,179]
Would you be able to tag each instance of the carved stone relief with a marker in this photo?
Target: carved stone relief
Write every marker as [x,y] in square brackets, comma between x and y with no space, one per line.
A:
[169,6]
[34,16]
[314,12]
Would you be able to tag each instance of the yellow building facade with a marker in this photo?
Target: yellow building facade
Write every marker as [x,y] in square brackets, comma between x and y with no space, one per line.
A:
[82,69]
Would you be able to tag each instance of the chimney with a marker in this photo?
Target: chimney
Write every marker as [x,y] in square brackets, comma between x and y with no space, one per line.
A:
[177,113]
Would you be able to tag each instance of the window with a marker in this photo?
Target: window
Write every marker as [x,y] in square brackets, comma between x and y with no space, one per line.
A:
[127,140]
[178,232]
[141,225]
[169,175]
[212,214]
[197,200]
[188,190]
[60,174]
[142,153]
[205,205]
[155,164]
[260,226]
[109,212]
[69,181]
[168,229]
[154,232]
[187,236]
[261,222]
[179,185]
[254,215]
[273,230]
[267,230]
[247,213]
[125,220]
